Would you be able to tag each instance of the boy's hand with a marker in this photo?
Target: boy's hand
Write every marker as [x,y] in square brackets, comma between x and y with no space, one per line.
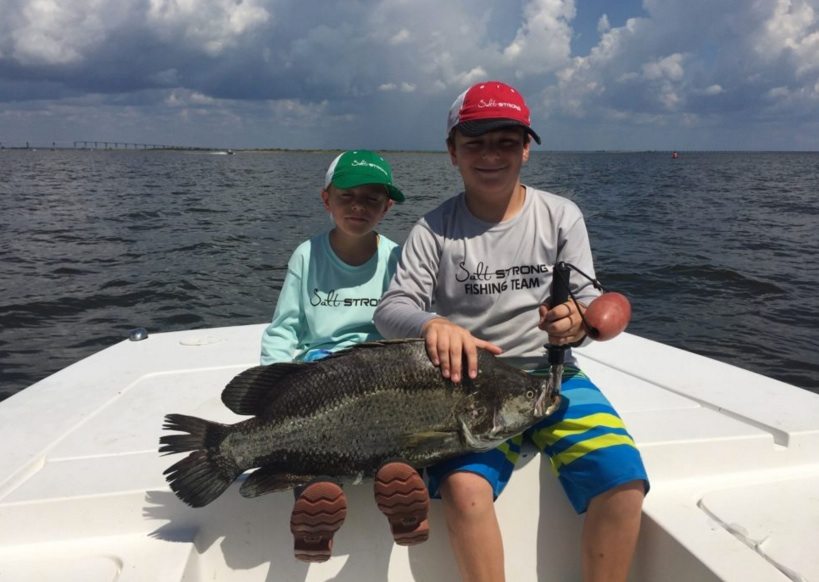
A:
[563,323]
[447,344]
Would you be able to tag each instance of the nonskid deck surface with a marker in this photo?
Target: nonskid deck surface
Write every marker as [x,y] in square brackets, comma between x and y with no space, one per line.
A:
[733,458]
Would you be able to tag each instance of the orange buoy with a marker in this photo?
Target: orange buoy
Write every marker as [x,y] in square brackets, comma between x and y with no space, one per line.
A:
[607,316]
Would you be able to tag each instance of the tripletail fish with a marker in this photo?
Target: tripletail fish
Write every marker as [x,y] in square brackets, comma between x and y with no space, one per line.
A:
[345,415]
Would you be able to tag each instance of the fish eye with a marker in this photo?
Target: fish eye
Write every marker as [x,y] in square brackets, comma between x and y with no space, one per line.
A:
[530,394]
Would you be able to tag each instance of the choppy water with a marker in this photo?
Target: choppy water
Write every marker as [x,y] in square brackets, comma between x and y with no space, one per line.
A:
[717,251]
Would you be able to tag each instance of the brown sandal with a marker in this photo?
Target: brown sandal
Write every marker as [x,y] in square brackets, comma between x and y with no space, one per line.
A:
[402,496]
[317,514]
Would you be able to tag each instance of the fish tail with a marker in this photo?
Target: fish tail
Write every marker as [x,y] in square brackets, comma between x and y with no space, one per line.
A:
[203,475]
[201,434]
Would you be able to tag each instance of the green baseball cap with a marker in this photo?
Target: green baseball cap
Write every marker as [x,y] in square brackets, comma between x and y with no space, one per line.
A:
[359,167]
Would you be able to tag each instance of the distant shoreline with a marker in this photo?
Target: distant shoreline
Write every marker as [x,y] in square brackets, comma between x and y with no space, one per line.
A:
[196,149]
[201,149]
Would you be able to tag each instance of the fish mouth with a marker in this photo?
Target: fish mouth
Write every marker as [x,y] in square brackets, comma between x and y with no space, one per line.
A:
[541,410]
[549,398]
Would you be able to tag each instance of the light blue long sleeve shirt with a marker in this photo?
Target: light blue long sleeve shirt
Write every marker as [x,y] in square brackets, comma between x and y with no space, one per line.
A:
[325,303]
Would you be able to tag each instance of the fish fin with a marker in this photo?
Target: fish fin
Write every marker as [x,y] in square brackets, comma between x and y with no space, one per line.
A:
[203,475]
[373,344]
[469,439]
[269,479]
[430,440]
[252,391]
[474,443]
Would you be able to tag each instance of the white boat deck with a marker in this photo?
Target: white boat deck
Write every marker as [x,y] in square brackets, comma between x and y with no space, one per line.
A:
[733,459]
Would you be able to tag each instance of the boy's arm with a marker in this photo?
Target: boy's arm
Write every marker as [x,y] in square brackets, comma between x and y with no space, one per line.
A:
[404,310]
[281,338]
[405,307]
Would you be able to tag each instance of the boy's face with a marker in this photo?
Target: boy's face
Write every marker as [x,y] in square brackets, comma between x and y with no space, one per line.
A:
[490,163]
[357,211]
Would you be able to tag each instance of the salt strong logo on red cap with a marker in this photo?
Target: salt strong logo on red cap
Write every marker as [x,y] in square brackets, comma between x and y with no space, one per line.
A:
[487,106]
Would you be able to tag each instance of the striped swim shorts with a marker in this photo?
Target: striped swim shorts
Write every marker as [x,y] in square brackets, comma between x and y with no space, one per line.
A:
[585,439]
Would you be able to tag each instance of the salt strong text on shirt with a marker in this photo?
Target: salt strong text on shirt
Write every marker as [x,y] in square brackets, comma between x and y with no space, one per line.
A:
[331,299]
[498,280]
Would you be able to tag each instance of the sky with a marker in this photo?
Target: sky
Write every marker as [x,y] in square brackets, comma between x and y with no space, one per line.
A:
[381,74]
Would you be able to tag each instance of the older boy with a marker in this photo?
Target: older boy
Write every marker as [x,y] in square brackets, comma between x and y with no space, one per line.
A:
[475,273]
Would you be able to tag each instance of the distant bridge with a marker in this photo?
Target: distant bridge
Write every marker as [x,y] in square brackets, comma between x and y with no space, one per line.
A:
[121,145]
[98,144]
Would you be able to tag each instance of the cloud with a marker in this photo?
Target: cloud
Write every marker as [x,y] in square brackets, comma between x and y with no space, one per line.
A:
[48,32]
[713,90]
[212,26]
[543,41]
[400,37]
[282,73]
[603,25]
[666,63]
[404,87]
[668,68]
[181,98]
[791,35]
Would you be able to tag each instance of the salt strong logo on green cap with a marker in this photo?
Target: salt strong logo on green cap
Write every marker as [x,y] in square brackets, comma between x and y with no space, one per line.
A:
[360,167]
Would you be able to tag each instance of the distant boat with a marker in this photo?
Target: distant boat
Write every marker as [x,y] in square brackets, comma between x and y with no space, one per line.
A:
[674,155]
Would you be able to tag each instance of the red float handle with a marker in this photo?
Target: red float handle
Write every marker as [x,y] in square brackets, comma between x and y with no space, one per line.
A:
[607,316]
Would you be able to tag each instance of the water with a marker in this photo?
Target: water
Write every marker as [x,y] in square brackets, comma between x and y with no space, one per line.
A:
[717,251]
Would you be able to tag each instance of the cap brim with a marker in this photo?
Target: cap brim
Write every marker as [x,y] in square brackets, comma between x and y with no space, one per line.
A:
[355,181]
[395,193]
[482,126]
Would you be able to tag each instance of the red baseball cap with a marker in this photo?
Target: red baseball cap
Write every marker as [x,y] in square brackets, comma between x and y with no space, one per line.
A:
[488,106]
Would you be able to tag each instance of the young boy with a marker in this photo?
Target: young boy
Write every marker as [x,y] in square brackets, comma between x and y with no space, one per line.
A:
[476,273]
[333,283]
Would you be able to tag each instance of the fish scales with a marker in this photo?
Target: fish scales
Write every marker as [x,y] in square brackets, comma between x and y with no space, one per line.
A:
[346,434]
[353,374]
[344,416]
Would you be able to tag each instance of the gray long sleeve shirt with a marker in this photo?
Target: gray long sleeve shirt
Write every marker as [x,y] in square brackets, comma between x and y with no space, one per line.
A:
[487,277]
